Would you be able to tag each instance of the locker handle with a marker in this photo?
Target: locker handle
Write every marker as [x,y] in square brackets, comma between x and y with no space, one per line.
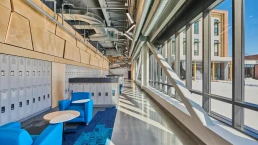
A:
[44,97]
[99,94]
[20,73]
[12,73]
[38,98]
[106,93]
[12,106]
[33,73]
[27,73]
[39,73]
[92,94]
[28,102]
[20,104]
[2,73]
[47,95]
[34,100]
[2,109]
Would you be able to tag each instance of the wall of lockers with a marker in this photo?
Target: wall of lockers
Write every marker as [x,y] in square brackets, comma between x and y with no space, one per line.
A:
[72,71]
[25,87]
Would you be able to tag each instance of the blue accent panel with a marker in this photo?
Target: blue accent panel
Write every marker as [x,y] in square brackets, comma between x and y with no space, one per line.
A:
[15,136]
[12,125]
[63,104]
[51,135]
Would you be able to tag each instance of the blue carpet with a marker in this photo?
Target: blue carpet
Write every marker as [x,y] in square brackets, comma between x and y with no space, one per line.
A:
[98,132]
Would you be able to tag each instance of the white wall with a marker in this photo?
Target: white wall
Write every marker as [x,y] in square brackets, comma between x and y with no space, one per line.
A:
[119,71]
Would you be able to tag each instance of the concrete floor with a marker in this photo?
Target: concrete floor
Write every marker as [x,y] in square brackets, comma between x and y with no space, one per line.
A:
[139,121]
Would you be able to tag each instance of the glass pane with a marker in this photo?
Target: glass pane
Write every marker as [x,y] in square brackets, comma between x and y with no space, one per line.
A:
[182,46]
[197,99]
[251,50]
[197,58]
[221,49]
[249,119]
[221,109]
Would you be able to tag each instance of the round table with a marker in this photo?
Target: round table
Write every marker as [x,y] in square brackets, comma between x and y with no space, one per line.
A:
[81,101]
[61,116]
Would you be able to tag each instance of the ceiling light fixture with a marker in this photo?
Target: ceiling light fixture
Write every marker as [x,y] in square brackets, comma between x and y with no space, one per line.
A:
[130,28]
[129,16]
[129,37]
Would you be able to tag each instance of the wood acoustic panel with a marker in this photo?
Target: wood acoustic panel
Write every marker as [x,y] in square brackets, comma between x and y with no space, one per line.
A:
[22,8]
[4,21]
[79,35]
[6,3]
[85,57]
[76,52]
[56,45]
[39,38]
[50,26]
[66,36]
[19,32]
[81,45]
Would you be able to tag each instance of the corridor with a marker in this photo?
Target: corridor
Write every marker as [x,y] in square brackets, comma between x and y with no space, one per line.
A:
[139,121]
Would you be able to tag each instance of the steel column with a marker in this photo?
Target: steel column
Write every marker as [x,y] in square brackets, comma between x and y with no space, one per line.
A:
[189,56]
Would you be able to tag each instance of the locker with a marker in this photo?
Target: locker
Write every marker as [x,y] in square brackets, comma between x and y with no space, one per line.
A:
[86,88]
[72,87]
[66,90]
[49,96]
[21,73]
[22,103]
[108,94]
[44,73]
[35,105]
[5,109]
[44,97]
[13,72]
[4,77]
[79,87]
[34,71]
[94,90]
[39,73]
[48,72]
[28,74]
[14,105]
[115,93]
[39,99]
[100,95]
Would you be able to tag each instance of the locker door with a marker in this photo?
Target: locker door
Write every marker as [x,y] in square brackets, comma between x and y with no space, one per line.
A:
[28,72]
[44,73]
[48,72]
[13,71]
[72,87]
[49,96]
[22,103]
[39,98]
[79,88]
[29,104]
[39,73]
[21,73]
[100,95]
[14,105]
[93,88]
[115,93]
[4,77]
[5,108]
[108,94]
[86,88]
[34,99]
[34,71]
[44,97]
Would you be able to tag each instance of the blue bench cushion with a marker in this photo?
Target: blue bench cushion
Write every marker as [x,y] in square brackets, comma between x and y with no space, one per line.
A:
[14,136]
[81,109]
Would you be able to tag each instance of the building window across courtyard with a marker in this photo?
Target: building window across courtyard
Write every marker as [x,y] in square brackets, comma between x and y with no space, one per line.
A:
[184,45]
[196,47]
[216,47]
[216,27]
[196,27]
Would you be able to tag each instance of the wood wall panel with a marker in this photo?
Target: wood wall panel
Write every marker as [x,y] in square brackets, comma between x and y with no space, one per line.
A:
[69,50]
[81,45]
[63,34]
[59,45]
[58,83]
[39,37]
[85,57]
[76,52]
[6,3]
[19,32]
[79,35]
[4,21]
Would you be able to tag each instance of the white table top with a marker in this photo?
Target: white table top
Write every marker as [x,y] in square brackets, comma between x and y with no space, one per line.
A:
[81,101]
[61,116]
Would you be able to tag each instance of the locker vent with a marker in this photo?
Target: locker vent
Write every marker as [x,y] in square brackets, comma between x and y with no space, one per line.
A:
[2,109]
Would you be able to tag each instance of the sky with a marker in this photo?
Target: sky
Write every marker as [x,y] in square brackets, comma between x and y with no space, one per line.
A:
[250,22]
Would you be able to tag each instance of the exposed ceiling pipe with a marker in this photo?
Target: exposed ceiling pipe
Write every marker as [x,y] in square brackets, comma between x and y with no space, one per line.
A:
[142,12]
[153,17]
